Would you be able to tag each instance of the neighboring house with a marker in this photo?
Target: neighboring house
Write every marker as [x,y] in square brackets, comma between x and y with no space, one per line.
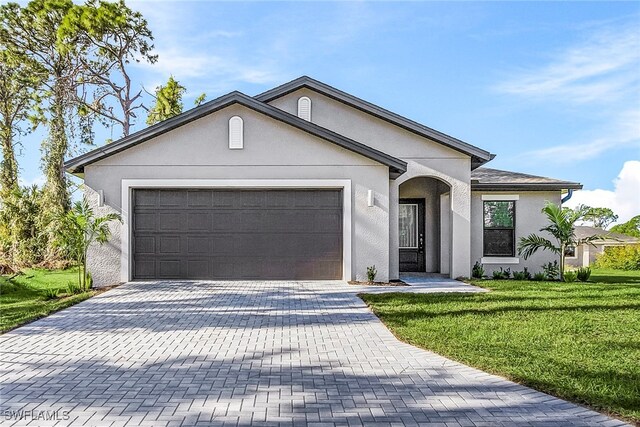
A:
[305,182]
[585,254]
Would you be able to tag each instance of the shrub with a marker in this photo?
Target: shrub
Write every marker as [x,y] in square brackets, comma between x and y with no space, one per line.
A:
[518,275]
[50,294]
[583,273]
[570,276]
[522,275]
[477,272]
[371,273]
[539,277]
[625,257]
[501,274]
[551,270]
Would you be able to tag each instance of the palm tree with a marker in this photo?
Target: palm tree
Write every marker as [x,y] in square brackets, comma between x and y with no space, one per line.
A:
[80,228]
[562,228]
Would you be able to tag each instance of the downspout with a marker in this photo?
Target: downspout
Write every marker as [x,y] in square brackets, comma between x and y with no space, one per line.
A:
[567,197]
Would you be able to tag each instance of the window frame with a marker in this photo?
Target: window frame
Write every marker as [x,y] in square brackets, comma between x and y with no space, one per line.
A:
[512,228]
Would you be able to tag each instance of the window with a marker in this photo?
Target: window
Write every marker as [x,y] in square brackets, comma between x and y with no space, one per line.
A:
[499,238]
[408,226]
[570,252]
[236,133]
[304,108]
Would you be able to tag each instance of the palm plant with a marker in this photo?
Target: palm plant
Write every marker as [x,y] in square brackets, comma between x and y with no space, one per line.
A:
[79,229]
[562,228]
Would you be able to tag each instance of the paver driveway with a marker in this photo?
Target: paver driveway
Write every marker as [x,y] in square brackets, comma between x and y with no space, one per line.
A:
[248,353]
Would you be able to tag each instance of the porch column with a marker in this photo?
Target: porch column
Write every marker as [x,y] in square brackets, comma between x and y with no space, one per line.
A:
[394,242]
[460,229]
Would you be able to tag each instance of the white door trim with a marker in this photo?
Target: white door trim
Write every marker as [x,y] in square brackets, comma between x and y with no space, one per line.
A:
[129,184]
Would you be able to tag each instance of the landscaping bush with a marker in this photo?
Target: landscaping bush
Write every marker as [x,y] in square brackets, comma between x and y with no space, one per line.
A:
[371,273]
[501,274]
[539,277]
[583,273]
[477,272]
[522,275]
[570,276]
[551,270]
[625,257]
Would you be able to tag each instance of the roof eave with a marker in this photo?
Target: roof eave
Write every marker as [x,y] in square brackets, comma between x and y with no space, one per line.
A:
[526,187]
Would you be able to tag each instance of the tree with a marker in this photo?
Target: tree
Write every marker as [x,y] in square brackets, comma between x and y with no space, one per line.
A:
[22,242]
[32,32]
[600,217]
[110,36]
[168,102]
[562,228]
[81,228]
[18,97]
[630,228]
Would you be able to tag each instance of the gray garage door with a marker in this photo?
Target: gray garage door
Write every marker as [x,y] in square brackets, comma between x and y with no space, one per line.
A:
[237,234]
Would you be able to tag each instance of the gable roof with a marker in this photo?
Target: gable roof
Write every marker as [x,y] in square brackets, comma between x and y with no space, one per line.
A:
[478,155]
[77,164]
[495,179]
[583,231]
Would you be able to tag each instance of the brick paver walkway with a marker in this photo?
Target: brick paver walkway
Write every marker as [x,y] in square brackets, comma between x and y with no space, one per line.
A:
[254,353]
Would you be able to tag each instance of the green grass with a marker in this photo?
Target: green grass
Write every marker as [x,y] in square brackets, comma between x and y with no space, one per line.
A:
[24,298]
[577,341]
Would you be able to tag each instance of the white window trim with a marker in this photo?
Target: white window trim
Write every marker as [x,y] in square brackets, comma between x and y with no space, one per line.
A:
[129,184]
[499,260]
[500,197]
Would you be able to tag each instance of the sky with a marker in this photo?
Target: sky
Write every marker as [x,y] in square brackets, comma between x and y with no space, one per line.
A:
[552,89]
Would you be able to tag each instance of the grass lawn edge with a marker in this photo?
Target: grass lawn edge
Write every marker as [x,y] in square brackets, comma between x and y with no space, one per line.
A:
[540,387]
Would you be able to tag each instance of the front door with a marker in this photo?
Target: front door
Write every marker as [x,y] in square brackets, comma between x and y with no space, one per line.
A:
[411,234]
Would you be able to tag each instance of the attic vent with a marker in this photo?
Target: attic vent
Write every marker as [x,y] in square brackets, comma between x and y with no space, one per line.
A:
[304,108]
[236,133]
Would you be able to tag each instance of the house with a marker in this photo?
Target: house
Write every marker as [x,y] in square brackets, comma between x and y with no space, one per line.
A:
[305,181]
[585,254]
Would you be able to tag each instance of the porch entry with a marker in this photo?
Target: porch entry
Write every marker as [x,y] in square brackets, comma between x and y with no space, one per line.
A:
[411,218]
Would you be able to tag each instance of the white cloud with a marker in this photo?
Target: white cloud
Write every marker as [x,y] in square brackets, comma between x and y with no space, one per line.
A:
[600,75]
[623,132]
[624,200]
[38,180]
[600,69]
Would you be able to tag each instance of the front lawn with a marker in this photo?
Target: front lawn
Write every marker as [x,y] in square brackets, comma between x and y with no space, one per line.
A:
[577,341]
[24,298]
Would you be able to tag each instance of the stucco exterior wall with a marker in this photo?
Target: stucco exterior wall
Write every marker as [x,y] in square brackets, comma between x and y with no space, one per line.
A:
[528,220]
[272,150]
[425,158]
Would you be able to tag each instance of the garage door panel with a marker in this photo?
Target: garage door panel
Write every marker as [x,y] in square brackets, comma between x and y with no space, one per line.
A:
[169,244]
[199,221]
[169,198]
[198,245]
[145,222]
[169,268]
[199,199]
[237,234]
